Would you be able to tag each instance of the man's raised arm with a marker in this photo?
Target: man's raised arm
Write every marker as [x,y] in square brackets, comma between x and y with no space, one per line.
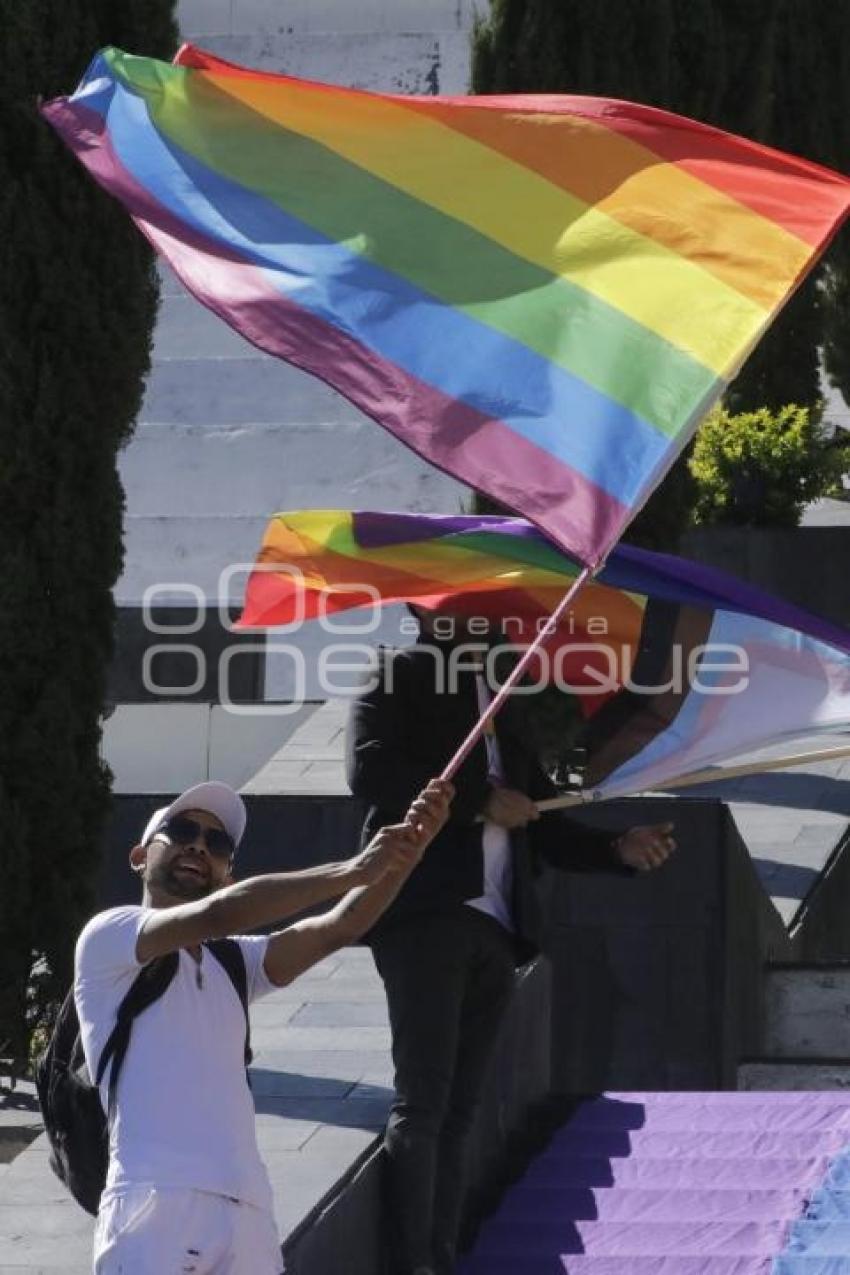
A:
[264,900]
[295,949]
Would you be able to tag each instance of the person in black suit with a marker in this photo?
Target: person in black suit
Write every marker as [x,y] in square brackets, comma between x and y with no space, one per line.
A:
[448,946]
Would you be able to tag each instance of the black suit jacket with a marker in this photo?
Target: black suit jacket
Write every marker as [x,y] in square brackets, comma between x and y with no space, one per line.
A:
[401,734]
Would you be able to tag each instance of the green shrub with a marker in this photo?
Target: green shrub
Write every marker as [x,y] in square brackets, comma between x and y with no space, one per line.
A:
[762,468]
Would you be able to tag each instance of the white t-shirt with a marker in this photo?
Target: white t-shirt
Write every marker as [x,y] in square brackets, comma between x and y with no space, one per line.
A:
[495,840]
[185,1114]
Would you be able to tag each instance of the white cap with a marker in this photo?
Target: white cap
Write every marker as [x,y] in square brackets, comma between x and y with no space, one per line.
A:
[213,797]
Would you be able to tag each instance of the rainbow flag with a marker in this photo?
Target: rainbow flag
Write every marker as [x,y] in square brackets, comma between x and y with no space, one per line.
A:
[542,295]
[675,666]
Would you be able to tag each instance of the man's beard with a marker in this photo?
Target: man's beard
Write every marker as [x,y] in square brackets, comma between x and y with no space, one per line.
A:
[165,879]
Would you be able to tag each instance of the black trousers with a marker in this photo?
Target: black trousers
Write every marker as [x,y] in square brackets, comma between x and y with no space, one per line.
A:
[448,977]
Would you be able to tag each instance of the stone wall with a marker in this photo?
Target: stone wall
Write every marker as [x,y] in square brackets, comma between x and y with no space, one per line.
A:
[806,565]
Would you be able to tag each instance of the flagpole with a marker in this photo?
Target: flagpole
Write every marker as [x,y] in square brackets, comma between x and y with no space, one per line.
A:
[714,774]
[505,690]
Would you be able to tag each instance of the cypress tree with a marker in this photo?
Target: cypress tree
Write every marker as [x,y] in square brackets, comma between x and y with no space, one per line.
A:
[835,309]
[77,308]
[833,98]
[773,70]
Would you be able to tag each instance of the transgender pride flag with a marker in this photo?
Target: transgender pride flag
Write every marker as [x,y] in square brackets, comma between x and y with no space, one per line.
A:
[540,295]
[674,666]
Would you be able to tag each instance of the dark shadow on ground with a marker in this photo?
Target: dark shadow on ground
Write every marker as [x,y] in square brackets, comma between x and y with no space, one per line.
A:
[799,792]
[320,1099]
[785,880]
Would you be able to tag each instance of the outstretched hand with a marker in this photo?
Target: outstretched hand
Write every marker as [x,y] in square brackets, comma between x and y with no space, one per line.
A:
[429,812]
[509,808]
[647,846]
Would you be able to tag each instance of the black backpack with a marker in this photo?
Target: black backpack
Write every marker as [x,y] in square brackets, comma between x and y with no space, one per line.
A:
[74,1119]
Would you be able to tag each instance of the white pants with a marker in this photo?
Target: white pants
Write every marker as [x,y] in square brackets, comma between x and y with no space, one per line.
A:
[143,1231]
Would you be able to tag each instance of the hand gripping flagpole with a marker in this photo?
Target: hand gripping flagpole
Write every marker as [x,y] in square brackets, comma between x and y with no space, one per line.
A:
[505,690]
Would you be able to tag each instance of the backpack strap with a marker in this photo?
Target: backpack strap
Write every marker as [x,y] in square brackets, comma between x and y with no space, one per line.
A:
[150,983]
[229,955]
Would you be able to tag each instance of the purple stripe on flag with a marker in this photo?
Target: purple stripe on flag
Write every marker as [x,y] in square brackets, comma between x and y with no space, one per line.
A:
[380,530]
[636,570]
[726,592]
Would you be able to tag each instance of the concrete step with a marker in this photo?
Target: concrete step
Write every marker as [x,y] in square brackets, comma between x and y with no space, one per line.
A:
[822,1237]
[185,470]
[694,1144]
[528,1203]
[167,550]
[206,560]
[830,1202]
[739,1113]
[792,1074]
[762,1172]
[719,1100]
[187,330]
[214,391]
[422,61]
[693,1184]
[810,1264]
[628,1240]
[577,1264]
[321,17]
[807,1014]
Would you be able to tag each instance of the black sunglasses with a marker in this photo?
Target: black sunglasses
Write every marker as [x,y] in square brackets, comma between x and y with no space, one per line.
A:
[182,830]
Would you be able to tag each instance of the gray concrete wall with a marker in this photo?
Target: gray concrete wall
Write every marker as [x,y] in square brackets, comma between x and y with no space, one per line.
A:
[175,652]
[783,1076]
[350,1220]
[823,931]
[806,565]
[657,981]
[807,1013]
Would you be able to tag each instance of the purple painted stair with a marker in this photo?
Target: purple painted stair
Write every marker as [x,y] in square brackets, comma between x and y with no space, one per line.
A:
[682,1184]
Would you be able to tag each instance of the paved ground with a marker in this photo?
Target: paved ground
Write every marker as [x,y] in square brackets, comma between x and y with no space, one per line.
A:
[827,513]
[20,1121]
[311,761]
[321,1078]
